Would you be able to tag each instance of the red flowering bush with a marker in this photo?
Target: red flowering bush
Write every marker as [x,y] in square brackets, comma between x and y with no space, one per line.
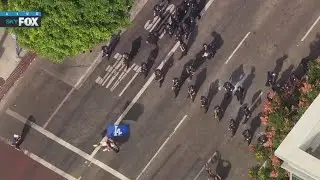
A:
[279,115]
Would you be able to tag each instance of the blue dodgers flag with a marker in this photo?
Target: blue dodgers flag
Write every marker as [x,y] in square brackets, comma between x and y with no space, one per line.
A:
[121,130]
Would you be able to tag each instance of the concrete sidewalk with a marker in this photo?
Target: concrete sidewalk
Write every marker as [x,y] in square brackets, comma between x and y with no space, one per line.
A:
[12,63]
[9,59]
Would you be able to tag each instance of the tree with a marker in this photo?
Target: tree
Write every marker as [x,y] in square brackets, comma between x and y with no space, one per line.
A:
[69,27]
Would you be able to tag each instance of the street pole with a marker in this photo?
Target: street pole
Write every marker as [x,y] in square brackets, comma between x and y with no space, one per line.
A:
[18,50]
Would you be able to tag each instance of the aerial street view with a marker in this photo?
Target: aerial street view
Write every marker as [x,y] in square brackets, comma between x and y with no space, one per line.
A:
[160,90]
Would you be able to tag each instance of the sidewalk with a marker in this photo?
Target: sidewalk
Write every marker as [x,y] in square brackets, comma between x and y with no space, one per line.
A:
[74,71]
[11,66]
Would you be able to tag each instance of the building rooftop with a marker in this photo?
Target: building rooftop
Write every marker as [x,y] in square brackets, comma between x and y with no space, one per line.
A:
[300,150]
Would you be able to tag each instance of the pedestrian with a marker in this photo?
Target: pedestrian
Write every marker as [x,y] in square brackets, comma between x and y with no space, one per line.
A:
[239,94]
[16,141]
[271,78]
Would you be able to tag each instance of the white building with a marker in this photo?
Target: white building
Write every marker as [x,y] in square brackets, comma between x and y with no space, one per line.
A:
[300,150]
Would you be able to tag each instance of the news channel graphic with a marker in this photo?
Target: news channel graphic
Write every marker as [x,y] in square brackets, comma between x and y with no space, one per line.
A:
[20,19]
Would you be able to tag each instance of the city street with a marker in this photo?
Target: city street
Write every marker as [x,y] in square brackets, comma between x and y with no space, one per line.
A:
[171,137]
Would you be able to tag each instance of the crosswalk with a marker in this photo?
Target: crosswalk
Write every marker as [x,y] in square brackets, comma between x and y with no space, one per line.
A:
[116,73]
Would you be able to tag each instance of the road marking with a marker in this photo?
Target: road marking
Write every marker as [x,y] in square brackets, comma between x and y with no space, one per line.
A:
[255,101]
[162,146]
[59,107]
[66,144]
[128,84]
[135,99]
[121,77]
[204,167]
[237,47]
[108,69]
[136,68]
[115,75]
[42,161]
[112,71]
[314,24]
[208,5]
[116,55]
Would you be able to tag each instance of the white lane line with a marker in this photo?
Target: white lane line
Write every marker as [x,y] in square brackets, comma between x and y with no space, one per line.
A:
[112,71]
[121,77]
[162,146]
[135,99]
[255,101]
[237,47]
[66,144]
[314,24]
[208,5]
[128,84]
[115,75]
[59,107]
[43,162]
[204,167]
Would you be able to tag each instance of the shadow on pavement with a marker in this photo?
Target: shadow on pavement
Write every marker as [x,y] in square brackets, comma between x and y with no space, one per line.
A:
[201,77]
[151,59]
[223,168]
[213,90]
[279,65]
[26,129]
[217,40]
[248,81]
[227,99]
[314,48]
[239,117]
[167,66]
[136,44]
[192,37]
[113,43]
[135,112]
[255,124]
[237,75]
[256,99]
[285,75]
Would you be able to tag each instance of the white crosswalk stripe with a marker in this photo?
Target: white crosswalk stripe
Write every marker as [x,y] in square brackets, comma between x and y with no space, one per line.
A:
[122,75]
[116,73]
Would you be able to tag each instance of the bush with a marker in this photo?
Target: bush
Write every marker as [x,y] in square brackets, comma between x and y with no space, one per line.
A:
[71,27]
[280,115]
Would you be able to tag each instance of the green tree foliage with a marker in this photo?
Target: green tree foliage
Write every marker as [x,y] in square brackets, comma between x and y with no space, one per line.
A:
[70,27]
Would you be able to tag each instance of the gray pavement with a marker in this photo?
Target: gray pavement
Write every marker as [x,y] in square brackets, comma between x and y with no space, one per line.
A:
[275,31]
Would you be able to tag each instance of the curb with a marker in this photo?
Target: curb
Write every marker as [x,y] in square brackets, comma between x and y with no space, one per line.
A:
[16,74]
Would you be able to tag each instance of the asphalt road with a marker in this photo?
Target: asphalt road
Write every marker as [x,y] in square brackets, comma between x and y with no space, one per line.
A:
[270,32]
